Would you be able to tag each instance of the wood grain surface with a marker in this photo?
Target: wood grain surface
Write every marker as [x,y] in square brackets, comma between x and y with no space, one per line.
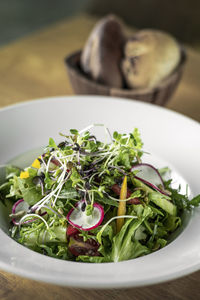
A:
[13,288]
[33,67]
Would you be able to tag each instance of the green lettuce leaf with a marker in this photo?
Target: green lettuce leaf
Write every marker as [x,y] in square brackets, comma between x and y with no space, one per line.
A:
[106,245]
[28,190]
[39,235]
[195,201]
[124,247]
[106,200]
[12,171]
[93,259]
[171,223]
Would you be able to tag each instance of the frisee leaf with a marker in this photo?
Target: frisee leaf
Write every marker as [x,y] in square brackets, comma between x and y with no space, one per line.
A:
[195,201]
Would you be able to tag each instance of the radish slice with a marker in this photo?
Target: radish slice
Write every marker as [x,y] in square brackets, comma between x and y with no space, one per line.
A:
[78,218]
[20,208]
[149,175]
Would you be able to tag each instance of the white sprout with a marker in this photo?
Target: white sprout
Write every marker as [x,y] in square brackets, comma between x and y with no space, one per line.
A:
[97,125]
[112,219]
[33,215]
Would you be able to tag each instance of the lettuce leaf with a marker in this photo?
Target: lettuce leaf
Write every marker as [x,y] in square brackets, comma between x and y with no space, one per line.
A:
[106,200]
[124,247]
[93,259]
[30,237]
[195,201]
[12,171]
[5,183]
[28,190]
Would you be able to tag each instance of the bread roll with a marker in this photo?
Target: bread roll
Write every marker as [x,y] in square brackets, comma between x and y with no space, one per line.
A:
[150,56]
[102,54]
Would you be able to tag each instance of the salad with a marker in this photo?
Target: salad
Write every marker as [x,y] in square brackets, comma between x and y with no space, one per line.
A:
[92,201]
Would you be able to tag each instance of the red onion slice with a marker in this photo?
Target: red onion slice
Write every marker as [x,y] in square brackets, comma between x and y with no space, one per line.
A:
[78,218]
[149,175]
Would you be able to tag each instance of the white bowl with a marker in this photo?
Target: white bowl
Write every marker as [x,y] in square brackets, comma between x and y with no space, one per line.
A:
[172,139]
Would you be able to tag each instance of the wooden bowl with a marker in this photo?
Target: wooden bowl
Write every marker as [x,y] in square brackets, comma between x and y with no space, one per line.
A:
[84,85]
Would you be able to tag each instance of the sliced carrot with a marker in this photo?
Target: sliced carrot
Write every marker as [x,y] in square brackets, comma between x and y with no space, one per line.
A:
[122,204]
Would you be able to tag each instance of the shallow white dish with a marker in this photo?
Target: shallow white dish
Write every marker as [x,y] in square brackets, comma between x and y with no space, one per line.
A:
[172,139]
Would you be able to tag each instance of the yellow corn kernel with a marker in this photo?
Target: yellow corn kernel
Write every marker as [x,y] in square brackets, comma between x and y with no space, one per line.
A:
[24,174]
[36,164]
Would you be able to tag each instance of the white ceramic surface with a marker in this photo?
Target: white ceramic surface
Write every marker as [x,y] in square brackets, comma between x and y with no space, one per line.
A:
[172,139]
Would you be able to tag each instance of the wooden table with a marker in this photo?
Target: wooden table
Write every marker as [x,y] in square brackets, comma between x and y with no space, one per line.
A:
[33,67]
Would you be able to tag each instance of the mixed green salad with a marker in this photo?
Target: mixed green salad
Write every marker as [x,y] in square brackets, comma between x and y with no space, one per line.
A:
[93,201]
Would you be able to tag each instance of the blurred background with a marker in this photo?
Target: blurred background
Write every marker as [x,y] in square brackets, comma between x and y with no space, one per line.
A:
[180,17]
